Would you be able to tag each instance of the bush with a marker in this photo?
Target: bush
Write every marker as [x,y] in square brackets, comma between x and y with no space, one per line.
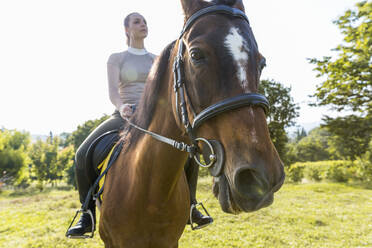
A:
[296,172]
[338,171]
[314,171]
[364,165]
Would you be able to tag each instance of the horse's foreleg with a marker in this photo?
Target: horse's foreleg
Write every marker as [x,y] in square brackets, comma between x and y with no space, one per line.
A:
[105,237]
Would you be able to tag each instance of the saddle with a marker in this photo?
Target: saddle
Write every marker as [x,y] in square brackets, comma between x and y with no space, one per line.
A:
[99,156]
[100,149]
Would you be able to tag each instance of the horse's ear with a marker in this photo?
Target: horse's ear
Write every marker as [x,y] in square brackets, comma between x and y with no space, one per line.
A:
[191,6]
[239,5]
[233,3]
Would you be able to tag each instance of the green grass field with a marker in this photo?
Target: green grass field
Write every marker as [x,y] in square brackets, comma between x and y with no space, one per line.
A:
[303,215]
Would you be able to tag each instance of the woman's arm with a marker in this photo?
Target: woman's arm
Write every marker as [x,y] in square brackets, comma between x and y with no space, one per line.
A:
[113,76]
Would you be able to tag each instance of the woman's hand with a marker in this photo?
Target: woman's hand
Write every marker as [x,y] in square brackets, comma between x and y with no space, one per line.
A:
[126,110]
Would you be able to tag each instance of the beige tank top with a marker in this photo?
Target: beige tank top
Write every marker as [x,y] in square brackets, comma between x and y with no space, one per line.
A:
[127,74]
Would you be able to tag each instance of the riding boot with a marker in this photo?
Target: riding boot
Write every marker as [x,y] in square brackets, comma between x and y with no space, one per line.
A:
[85,223]
[192,170]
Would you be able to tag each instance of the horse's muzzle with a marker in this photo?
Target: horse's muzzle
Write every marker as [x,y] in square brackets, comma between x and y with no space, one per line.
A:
[249,190]
[250,183]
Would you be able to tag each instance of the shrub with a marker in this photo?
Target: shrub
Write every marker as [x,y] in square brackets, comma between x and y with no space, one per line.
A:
[295,173]
[314,171]
[364,165]
[337,170]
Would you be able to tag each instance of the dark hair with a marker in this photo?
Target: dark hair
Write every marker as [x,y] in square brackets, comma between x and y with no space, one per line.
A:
[126,24]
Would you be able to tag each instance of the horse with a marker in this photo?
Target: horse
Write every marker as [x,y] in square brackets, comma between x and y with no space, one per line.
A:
[202,91]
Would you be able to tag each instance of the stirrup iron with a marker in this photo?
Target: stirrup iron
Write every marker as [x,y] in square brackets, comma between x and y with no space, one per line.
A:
[73,220]
[196,227]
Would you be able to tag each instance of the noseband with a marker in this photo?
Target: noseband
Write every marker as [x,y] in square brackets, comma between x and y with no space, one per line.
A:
[214,159]
[248,99]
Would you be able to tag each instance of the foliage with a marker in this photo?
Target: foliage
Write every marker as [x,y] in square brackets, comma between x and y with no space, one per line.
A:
[313,147]
[65,162]
[348,83]
[78,136]
[315,215]
[283,112]
[50,162]
[365,164]
[335,170]
[295,173]
[64,139]
[299,134]
[13,157]
[349,136]
[70,176]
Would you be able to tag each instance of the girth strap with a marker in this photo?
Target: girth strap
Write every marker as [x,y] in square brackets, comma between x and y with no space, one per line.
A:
[249,99]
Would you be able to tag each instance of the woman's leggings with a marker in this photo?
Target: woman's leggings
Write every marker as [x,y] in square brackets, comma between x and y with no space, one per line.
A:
[85,173]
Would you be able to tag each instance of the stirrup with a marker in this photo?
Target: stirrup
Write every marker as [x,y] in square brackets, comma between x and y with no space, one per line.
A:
[93,225]
[196,227]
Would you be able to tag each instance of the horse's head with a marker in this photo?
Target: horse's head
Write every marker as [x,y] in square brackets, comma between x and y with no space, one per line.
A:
[221,61]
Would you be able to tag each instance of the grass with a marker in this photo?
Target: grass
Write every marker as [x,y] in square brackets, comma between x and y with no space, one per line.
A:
[303,215]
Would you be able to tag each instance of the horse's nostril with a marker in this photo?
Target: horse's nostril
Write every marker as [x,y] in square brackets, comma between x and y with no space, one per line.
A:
[250,184]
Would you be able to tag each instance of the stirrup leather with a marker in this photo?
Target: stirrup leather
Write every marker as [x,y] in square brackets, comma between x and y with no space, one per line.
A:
[196,227]
[93,225]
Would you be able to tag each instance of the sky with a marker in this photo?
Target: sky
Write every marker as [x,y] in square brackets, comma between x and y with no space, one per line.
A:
[53,53]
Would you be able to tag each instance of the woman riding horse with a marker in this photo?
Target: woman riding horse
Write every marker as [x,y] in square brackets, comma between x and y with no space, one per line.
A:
[127,73]
[201,92]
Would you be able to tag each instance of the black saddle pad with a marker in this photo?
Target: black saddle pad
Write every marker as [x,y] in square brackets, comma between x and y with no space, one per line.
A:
[100,148]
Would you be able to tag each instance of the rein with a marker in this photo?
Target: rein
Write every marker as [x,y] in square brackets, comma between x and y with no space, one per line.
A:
[248,99]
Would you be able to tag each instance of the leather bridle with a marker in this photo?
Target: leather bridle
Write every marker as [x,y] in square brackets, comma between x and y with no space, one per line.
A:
[215,159]
[248,99]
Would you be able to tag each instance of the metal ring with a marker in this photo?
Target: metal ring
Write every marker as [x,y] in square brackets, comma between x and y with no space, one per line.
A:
[212,157]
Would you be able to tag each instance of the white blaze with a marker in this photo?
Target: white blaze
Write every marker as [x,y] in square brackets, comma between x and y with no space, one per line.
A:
[254,137]
[238,48]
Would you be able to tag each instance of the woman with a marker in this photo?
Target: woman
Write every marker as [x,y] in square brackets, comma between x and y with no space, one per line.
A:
[127,73]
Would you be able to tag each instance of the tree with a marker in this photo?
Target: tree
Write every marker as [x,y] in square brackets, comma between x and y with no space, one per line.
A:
[348,83]
[64,139]
[299,134]
[348,76]
[78,136]
[365,164]
[50,162]
[283,112]
[13,156]
[350,135]
[37,155]
[313,147]
[64,165]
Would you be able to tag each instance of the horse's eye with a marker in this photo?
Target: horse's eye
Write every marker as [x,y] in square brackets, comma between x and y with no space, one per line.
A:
[196,55]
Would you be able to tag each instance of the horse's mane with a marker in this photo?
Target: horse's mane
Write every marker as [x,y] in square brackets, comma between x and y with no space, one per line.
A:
[145,109]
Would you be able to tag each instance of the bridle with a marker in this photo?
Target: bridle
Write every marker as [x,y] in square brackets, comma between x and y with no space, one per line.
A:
[215,159]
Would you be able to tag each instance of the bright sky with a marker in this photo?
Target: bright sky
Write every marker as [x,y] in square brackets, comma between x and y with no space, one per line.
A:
[53,53]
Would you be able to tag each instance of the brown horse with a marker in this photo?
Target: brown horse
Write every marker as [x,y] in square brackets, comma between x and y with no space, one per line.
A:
[217,70]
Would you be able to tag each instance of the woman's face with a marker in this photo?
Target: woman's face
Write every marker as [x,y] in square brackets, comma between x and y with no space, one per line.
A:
[137,28]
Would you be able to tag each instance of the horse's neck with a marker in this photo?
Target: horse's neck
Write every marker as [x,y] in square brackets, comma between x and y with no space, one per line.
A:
[157,166]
